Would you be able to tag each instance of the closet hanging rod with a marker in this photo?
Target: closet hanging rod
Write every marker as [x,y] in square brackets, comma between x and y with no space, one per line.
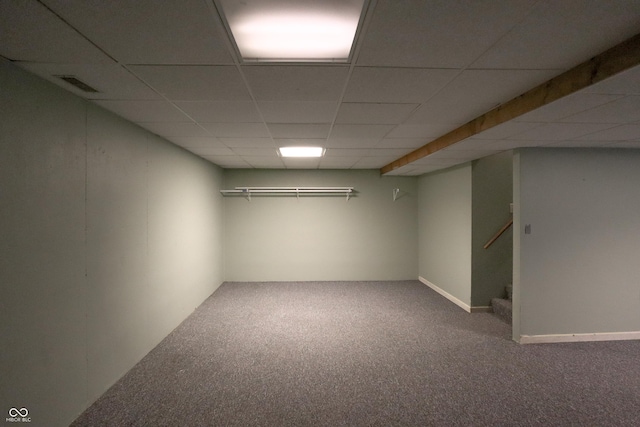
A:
[296,188]
[247,191]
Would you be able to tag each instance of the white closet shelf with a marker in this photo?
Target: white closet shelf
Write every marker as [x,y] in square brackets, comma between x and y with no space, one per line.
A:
[285,191]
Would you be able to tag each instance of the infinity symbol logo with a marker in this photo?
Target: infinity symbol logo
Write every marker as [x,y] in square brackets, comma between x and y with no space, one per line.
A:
[23,412]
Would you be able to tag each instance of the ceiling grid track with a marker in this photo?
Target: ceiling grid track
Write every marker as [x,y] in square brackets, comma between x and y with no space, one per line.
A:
[235,54]
[424,87]
[607,64]
[124,66]
[360,35]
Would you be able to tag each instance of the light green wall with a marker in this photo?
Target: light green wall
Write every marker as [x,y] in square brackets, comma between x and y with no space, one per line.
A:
[492,193]
[577,271]
[109,237]
[445,230]
[369,237]
[42,249]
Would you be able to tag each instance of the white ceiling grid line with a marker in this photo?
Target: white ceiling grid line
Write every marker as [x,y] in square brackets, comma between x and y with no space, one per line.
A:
[418,70]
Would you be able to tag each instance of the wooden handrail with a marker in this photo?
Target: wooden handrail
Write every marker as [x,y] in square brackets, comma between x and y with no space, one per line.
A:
[498,234]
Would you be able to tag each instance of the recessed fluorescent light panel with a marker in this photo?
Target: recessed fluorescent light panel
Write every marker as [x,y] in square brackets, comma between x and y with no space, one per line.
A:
[293,30]
[301,151]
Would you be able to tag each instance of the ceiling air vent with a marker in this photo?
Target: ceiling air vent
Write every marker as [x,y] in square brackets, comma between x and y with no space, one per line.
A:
[78,83]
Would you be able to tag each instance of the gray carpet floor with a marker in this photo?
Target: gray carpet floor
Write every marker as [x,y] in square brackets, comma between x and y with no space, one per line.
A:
[365,354]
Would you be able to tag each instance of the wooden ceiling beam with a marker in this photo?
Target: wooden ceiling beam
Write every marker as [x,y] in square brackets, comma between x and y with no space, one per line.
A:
[609,63]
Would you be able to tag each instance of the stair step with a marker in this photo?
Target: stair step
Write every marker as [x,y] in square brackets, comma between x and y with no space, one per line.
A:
[502,308]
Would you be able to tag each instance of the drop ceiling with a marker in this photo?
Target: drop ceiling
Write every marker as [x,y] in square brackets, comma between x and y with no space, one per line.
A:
[419,69]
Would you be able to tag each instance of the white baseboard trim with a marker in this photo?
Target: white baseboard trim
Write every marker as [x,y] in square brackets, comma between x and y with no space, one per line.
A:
[446,294]
[481,309]
[598,336]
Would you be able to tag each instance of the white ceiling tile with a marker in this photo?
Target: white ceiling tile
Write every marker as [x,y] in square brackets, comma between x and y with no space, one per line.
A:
[443,155]
[194,83]
[297,142]
[169,130]
[490,86]
[287,130]
[300,163]
[30,32]
[396,85]
[374,113]
[346,152]
[229,162]
[258,152]
[262,162]
[403,170]
[148,32]
[421,34]
[625,83]
[618,133]
[111,81]
[197,142]
[221,111]
[413,81]
[296,83]
[434,161]
[566,106]
[431,130]
[334,142]
[403,142]
[237,130]
[471,144]
[298,112]
[145,111]
[510,144]
[562,34]
[459,113]
[360,131]
[580,144]
[211,151]
[337,162]
[622,110]
[248,142]
[559,131]
[505,130]
[373,162]
[389,152]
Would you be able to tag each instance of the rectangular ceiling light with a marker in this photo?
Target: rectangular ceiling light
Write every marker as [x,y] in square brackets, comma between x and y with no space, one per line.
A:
[293,30]
[301,151]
